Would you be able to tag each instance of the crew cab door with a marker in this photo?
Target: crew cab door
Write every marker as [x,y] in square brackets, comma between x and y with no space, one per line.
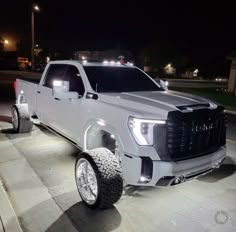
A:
[63,115]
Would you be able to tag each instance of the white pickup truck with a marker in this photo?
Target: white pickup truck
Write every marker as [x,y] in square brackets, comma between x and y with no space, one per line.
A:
[129,128]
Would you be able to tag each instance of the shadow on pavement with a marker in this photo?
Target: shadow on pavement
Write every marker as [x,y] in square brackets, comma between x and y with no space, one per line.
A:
[227,169]
[5,118]
[11,134]
[88,220]
[8,131]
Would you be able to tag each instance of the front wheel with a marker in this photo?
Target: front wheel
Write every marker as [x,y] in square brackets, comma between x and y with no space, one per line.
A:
[98,178]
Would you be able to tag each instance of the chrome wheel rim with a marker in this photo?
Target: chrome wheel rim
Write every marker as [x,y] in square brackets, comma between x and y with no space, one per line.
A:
[15,118]
[86,181]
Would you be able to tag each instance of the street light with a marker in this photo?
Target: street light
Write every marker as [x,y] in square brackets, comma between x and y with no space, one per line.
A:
[34,8]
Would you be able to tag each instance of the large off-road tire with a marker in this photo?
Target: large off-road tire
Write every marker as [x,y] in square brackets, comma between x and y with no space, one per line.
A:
[21,119]
[98,178]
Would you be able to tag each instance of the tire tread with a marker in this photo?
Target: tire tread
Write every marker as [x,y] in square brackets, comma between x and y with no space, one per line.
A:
[110,177]
[25,125]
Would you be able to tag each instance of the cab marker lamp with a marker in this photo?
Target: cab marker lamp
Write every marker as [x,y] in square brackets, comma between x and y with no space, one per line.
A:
[142,130]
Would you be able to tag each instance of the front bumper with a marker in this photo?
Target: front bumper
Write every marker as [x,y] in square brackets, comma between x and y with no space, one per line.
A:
[170,173]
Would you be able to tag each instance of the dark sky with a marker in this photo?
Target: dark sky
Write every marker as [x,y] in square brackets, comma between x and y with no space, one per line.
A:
[204,30]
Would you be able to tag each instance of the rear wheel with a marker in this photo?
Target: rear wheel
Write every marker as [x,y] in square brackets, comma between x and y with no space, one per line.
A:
[20,119]
[98,178]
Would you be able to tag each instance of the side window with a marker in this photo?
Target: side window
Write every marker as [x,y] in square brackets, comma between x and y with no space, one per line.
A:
[55,72]
[76,83]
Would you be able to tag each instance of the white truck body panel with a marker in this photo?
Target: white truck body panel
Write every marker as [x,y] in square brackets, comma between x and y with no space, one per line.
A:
[110,112]
[29,92]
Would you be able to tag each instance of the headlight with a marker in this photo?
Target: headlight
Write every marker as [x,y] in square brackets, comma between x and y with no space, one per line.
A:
[142,129]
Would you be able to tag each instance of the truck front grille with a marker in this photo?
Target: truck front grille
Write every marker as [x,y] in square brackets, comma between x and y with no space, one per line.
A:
[188,135]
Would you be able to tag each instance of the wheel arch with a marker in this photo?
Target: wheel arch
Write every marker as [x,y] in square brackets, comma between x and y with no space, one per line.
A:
[97,135]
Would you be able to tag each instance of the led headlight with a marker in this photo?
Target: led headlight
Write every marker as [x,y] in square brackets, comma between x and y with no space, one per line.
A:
[142,129]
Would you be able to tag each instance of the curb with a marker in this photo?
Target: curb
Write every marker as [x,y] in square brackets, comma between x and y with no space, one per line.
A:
[230,112]
[8,218]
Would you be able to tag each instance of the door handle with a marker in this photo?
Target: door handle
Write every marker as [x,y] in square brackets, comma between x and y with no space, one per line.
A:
[58,99]
[38,92]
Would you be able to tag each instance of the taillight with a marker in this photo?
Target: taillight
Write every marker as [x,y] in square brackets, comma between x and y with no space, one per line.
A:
[14,85]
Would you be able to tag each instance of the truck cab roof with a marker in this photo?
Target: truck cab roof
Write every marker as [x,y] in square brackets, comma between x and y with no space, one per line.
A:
[95,63]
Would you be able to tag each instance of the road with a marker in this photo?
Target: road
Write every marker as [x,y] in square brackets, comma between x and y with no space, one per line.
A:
[9,76]
[37,170]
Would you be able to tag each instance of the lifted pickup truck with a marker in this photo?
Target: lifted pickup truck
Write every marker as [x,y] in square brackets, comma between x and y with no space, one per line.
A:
[129,128]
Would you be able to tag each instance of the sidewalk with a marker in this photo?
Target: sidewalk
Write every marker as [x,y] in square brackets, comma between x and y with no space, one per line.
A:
[8,219]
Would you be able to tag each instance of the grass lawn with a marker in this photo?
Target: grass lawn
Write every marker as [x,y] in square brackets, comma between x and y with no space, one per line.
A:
[224,98]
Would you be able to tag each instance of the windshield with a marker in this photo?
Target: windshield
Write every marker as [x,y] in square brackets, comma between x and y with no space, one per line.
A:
[119,79]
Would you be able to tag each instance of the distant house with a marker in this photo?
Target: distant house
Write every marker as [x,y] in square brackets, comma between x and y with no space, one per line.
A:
[191,73]
[232,75]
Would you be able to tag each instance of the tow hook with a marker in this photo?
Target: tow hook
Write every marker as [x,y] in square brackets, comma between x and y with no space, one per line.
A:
[178,180]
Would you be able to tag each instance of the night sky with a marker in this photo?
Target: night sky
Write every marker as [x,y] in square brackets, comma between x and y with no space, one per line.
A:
[205,31]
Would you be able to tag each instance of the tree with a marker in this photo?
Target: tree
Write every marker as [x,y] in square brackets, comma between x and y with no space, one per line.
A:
[157,56]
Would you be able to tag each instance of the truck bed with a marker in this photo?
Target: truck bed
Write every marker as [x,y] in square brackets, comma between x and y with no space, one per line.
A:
[32,80]
[32,77]
[30,87]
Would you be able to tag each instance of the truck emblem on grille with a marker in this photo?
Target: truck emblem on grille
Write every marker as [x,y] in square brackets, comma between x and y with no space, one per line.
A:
[202,127]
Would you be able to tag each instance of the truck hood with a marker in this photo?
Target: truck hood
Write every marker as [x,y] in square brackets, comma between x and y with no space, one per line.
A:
[153,103]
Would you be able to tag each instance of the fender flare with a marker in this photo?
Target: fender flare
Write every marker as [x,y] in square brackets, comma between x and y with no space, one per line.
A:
[103,127]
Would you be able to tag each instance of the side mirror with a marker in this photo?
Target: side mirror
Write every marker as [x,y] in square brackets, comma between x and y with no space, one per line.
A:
[61,90]
[164,84]
[60,86]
